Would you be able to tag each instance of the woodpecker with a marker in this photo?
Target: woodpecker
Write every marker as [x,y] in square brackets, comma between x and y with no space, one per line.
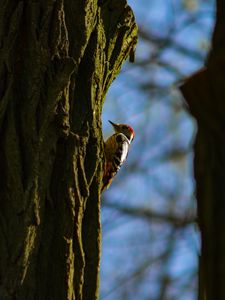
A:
[116,151]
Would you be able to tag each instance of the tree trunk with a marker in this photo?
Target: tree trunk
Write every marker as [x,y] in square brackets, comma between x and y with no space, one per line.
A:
[57,60]
[205,94]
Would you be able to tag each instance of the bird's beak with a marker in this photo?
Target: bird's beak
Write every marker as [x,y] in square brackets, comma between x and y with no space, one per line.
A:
[113,124]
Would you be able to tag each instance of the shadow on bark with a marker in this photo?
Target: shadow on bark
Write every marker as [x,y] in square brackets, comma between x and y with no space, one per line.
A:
[58,59]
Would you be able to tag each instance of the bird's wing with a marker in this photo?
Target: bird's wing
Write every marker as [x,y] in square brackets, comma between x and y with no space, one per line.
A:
[116,150]
[122,149]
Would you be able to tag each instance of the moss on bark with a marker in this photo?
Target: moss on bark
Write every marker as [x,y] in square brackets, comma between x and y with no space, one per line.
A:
[57,61]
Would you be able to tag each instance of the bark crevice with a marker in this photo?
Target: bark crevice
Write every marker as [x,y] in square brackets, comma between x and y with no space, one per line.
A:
[57,61]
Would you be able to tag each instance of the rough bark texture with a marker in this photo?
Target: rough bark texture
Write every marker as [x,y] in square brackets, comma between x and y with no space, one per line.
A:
[205,94]
[57,60]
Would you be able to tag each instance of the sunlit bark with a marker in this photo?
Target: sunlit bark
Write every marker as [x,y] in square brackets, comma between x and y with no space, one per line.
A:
[57,61]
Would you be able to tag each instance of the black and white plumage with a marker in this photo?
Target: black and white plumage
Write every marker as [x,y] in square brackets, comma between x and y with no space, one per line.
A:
[116,151]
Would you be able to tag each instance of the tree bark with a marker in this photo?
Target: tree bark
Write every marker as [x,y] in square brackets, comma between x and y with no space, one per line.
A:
[57,60]
[205,94]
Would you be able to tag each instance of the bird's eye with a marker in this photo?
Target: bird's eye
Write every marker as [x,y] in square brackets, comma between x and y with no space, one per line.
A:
[124,127]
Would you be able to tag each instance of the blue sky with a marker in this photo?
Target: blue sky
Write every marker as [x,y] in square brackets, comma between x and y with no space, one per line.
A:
[158,175]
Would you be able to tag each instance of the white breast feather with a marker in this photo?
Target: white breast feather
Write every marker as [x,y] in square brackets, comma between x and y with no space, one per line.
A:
[125,147]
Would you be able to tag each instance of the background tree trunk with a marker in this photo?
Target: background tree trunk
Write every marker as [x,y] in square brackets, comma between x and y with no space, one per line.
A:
[57,60]
[205,94]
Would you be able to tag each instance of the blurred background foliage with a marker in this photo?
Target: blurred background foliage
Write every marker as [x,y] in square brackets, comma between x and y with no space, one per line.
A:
[150,244]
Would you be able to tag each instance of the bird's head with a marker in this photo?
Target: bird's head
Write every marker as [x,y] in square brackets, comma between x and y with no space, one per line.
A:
[125,129]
